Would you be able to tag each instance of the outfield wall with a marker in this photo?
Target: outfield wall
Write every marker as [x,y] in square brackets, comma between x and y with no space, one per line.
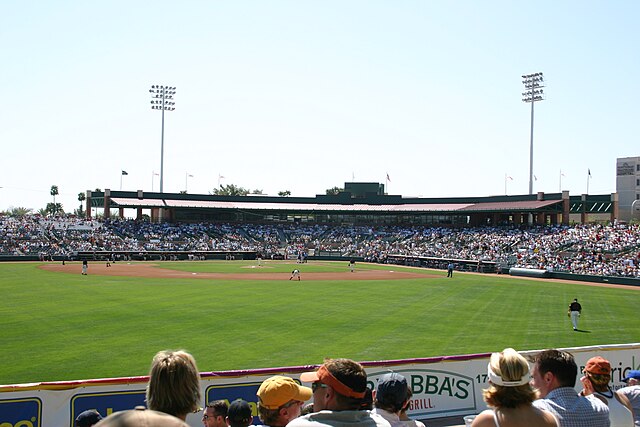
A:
[442,387]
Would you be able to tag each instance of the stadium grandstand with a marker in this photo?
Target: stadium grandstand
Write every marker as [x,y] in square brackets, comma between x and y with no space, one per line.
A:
[483,235]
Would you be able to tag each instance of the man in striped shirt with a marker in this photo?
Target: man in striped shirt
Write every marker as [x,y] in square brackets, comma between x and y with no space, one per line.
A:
[554,375]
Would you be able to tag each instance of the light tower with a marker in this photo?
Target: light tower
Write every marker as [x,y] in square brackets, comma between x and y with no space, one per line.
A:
[162,99]
[533,84]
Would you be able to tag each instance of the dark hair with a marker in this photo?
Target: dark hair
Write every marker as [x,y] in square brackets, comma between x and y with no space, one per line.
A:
[239,413]
[366,404]
[220,407]
[560,363]
[268,416]
[600,381]
[351,374]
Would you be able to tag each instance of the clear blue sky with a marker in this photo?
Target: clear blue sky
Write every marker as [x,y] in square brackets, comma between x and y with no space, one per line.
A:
[305,95]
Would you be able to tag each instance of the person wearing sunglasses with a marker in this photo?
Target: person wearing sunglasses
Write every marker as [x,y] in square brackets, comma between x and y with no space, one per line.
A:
[280,400]
[338,387]
[215,414]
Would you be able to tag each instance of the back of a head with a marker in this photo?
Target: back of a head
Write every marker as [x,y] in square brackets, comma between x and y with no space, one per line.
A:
[598,370]
[508,373]
[392,391]
[367,401]
[174,383]
[239,414]
[351,374]
[560,363]
[510,365]
[141,417]
[88,418]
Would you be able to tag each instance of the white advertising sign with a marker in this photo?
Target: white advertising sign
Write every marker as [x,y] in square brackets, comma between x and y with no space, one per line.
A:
[441,386]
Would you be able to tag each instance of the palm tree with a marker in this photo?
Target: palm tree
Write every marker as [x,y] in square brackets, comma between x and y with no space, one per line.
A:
[334,191]
[19,212]
[81,198]
[230,190]
[54,192]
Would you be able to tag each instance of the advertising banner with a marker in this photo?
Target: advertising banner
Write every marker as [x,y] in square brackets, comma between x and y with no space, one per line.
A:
[442,387]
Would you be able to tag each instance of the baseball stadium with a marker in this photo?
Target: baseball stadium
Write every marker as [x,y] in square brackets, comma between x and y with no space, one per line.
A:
[212,275]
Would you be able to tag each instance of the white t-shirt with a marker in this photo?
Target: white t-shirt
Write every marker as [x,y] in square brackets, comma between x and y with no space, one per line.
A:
[633,394]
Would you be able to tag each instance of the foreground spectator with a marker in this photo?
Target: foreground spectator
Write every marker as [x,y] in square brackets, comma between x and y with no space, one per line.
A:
[88,418]
[239,414]
[554,375]
[339,386]
[280,400]
[408,422]
[174,384]
[392,395]
[510,395]
[630,395]
[597,376]
[141,417]
[215,414]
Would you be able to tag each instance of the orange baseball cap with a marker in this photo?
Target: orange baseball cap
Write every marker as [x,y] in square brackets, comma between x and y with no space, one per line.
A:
[323,374]
[598,365]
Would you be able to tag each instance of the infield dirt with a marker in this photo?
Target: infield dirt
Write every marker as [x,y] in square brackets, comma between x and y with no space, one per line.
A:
[155,270]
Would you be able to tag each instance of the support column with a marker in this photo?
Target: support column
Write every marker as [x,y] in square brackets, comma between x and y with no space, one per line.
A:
[517,219]
[121,213]
[614,207]
[87,212]
[107,203]
[139,214]
[566,206]
[583,212]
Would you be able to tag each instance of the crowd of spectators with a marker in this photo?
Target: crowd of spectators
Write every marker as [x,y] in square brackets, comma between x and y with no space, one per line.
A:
[610,250]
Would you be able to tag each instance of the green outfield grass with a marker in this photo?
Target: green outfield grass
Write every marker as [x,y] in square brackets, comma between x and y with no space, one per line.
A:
[66,326]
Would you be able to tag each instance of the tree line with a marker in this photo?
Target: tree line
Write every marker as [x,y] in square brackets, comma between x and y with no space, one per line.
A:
[56,208]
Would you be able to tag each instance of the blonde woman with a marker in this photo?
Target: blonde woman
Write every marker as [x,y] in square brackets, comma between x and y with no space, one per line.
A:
[509,395]
[174,384]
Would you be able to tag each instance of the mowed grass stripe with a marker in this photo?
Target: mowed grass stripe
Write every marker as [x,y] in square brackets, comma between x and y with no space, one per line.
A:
[63,327]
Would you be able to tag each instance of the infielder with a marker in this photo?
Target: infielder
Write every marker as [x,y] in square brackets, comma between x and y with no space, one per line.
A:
[295,273]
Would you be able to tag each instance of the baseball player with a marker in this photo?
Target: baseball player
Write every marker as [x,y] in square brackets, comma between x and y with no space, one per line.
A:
[295,273]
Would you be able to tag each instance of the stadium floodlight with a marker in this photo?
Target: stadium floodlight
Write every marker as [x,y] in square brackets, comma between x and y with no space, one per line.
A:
[533,84]
[162,99]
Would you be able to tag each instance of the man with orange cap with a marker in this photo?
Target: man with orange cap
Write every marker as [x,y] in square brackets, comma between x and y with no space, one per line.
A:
[596,379]
[339,386]
[280,400]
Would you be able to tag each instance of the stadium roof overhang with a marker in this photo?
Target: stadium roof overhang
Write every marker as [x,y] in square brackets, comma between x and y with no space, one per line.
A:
[461,208]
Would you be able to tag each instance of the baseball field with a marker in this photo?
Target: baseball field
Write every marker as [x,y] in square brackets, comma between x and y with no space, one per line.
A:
[60,325]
